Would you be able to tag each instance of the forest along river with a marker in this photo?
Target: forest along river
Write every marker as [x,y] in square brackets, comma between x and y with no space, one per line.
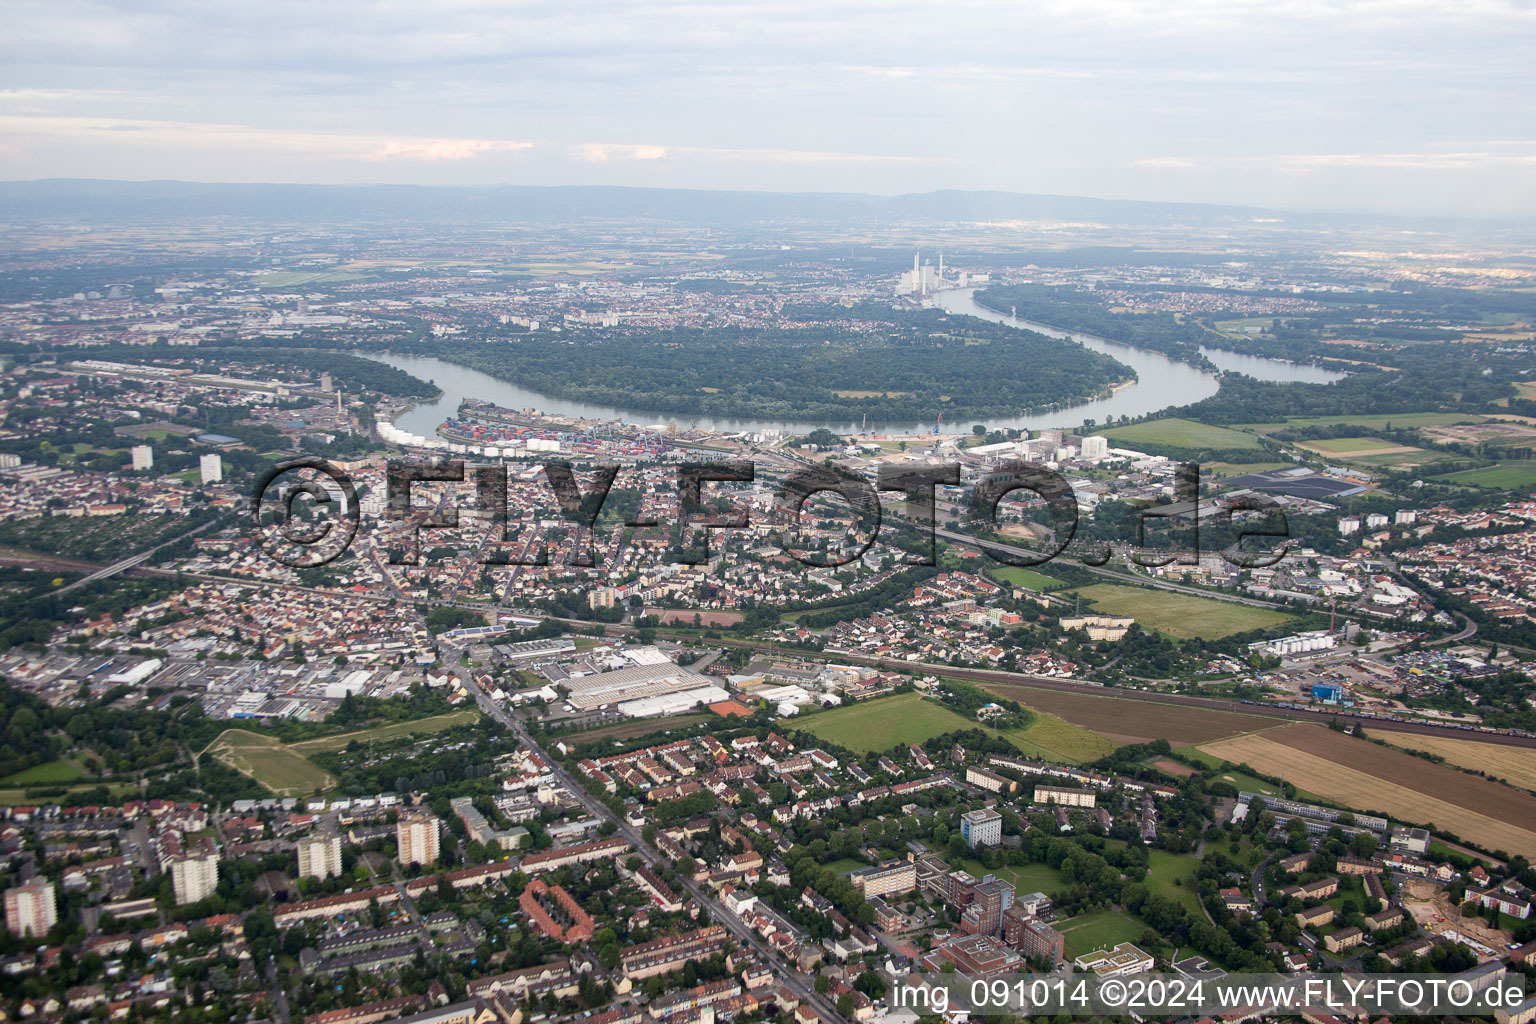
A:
[1161,383]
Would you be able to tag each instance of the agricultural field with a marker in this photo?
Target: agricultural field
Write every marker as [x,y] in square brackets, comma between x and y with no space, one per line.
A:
[1502,477]
[882,723]
[1098,931]
[1515,765]
[1181,433]
[1018,576]
[1373,452]
[1125,720]
[1348,445]
[1372,421]
[1182,616]
[269,762]
[1360,774]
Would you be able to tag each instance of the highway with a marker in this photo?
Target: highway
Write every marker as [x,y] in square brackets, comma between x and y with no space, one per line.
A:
[791,979]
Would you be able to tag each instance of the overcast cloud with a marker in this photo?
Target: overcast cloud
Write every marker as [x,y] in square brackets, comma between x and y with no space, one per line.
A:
[1409,106]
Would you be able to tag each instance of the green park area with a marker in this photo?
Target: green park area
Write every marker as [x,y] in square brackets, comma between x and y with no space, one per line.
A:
[1098,931]
[1172,875]
[1026,878]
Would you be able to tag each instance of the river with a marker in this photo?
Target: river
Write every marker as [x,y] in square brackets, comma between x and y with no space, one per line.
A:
[1161,382]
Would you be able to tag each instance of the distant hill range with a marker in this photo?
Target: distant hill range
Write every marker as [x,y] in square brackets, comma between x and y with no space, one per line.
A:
[101,201]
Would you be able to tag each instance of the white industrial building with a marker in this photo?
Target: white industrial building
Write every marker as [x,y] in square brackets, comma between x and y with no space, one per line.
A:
[1301,643]
[642,691]
[135,675]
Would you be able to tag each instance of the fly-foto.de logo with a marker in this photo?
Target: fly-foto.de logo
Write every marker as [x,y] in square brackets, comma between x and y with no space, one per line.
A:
[289,530]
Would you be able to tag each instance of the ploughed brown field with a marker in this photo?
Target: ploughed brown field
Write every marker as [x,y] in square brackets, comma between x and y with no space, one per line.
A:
[1369,777]
[1133,721]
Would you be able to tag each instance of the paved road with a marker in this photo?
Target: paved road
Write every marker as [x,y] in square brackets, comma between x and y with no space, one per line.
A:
[792,980]
[132,560]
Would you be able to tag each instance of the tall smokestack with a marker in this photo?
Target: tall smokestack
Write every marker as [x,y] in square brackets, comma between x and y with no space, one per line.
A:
[941,270]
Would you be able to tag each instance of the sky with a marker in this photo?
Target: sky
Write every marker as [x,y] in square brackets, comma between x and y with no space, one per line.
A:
[1408,106]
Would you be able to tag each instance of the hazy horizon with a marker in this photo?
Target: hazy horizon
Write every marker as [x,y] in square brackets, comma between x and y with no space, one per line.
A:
[1405,108]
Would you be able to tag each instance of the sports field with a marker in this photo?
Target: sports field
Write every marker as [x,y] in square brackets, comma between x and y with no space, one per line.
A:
[1180,615]
[1018,576]
[1181,433]
[882,723]
[1363,775]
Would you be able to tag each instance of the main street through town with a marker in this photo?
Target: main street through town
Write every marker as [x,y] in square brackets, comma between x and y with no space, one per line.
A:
[792,979]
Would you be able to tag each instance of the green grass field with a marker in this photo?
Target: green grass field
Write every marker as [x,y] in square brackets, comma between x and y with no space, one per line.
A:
[1181,433]
[846,864]
[1098,931]
[1026,878]
[115,791]
[1508,476]
[270,763]
[1056,739]
[1370,421]
[881,724]
[419,727]
[1225,470]
[53,772]
[1180,615]
[1018,576]
[1164,868]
